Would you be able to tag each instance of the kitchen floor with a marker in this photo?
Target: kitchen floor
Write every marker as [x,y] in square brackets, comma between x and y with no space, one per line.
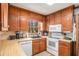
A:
[45,53]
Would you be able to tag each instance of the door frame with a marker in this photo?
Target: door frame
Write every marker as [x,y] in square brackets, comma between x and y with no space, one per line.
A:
[77,34]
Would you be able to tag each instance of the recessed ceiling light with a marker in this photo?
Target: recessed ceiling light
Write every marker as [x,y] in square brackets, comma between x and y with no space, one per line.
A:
[49,4]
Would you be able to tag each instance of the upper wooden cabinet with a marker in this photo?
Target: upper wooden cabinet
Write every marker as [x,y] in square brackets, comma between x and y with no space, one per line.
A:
[19,18]
[44,23]
[47,22]
[24,20]
[63,17]
[36,17]
[58,17]
[67,15]
[52,19]
[55,18]
[13,18]
[4,17]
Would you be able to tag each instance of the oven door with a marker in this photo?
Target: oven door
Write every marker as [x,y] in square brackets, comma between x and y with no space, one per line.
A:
[52,44]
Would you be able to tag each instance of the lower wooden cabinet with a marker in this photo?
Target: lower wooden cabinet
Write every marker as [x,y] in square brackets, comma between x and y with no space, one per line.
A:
[65,48]
[35,47]
[38,46]
[42,45]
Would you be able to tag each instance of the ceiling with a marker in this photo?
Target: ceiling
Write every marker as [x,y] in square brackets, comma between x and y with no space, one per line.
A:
[42,8]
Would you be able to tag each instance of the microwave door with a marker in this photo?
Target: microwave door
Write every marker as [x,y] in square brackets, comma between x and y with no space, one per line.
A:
[55,28]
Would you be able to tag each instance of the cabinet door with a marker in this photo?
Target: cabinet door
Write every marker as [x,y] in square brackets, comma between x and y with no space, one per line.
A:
[58,17]
[24,17]
[35,47]
[47,22]
[67,23]
[13,18]
[4,16]
[67,19]
[36,17]
[44,23]
[39,18]
[64,48]
[33,16]
[42,44]
[52,19]
[63,51]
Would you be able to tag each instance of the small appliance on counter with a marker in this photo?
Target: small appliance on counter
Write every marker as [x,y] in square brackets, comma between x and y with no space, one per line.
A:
[45,33]
[19,34]
[12,37]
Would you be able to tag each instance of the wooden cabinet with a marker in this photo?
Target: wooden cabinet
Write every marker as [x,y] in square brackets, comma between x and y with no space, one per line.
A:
[42,44]
[65,48]
[19,18]
[4,16]
[33,16]
[36,17]
[35,47]
[55,18]
[24,23]
[44,23]
[67,19]
[40,17]
[52,19]
[58,17]
[63,17]
[13,18]
[38,46]
[47,22]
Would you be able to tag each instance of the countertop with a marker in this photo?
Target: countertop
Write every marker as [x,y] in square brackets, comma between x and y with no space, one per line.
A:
[63,39]
[66,40]
[13,47]
[10,48]
[28,39]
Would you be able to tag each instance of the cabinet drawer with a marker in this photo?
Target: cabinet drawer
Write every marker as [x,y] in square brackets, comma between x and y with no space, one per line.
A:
[35,41]
[63,43]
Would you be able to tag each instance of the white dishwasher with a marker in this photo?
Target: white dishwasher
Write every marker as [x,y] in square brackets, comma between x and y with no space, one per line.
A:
[27,47]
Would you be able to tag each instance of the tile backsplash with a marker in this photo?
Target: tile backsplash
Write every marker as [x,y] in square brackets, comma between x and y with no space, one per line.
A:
[5,35]
[70,35]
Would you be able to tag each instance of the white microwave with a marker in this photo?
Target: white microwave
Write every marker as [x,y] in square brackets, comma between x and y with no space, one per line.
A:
[55,28]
